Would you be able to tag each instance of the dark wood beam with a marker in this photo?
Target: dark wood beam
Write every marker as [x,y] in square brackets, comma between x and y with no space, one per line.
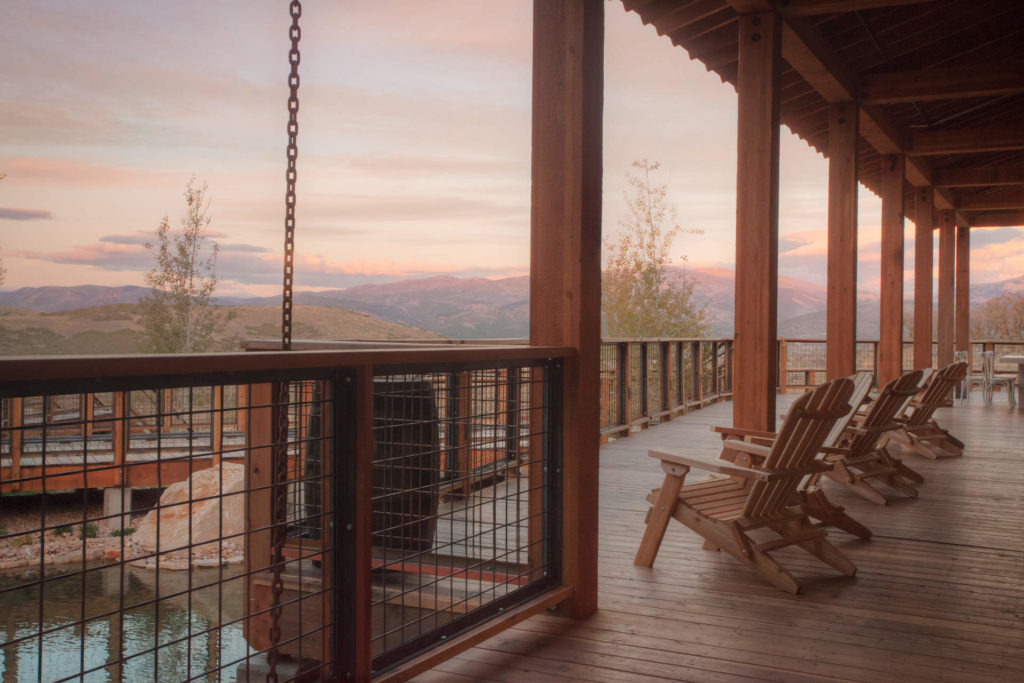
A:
[757,222]
[890,330]
[966,140]
[841,307]
[565,257]
[1000,219]
[924,251]
[963,289]
[947,274]
[810,55]
[980,176]
[980,80]
[1004,201]
[807,8]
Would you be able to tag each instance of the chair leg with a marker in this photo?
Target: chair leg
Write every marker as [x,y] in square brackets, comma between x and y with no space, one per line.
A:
[767,567]
[866,491]
[906,472]
[902,485]
[657,521]
[816,505]
[830,555]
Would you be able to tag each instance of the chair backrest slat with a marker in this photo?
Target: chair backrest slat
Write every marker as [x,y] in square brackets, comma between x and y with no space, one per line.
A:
[882,412]
[798,442]
[941,388]
[862,382]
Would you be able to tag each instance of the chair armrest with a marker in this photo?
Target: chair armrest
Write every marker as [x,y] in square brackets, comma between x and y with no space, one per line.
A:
[733,432]
[717,466]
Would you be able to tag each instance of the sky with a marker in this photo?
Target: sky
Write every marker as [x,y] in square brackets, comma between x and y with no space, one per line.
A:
[414,144]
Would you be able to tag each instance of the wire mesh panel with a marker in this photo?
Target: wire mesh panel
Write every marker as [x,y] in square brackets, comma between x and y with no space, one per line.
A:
[805,363]
[674,375]
[155,533]
[456,544]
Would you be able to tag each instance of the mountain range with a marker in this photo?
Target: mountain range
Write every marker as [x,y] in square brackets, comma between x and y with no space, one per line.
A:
[474,308]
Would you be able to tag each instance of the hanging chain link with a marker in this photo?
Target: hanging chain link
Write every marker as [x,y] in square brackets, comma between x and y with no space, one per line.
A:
[295,33]
[279,510]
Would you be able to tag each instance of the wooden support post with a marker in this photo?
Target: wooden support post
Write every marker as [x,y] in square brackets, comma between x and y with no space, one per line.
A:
[890,329]
[963,289]
[258,479]
[924,248]
[841,309]
[947,267]
[565,259]
[757,220]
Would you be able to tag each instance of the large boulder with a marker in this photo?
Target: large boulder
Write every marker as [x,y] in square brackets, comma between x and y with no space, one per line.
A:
[227,508]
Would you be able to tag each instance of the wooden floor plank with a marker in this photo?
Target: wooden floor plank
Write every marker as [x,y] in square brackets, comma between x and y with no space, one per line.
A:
[939,594]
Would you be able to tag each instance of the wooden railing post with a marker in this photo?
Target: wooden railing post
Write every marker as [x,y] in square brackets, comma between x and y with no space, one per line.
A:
[783,372]
[625,387]
[680,376]
[666,384]
[120,436]
[217,425]
[644,388]
[697,356]
[15,421]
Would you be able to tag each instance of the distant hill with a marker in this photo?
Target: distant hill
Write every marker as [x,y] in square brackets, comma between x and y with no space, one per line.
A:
[51,299]
[476,308]
[113,329]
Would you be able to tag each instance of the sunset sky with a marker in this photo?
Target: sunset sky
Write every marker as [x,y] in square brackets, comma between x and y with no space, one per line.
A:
[414,143]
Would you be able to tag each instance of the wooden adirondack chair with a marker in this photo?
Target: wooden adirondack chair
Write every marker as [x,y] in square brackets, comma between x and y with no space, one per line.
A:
[756,500]
[857,456]
[808,494]
[917,428]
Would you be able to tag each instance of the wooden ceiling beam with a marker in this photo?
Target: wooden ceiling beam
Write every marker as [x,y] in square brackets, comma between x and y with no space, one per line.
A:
[1003,201]
[687,14]
[808,8]
[966,140]
[980,176]
[810,55]
[1000,219]
[947,83]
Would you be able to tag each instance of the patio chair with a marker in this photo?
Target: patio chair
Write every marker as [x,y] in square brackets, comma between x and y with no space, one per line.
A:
[754,501]
[856,456]
[917,428]
[989,380]
[809,495]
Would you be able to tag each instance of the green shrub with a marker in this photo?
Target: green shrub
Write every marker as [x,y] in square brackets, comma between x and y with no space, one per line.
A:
[128,531]
[89,531]
[62,530]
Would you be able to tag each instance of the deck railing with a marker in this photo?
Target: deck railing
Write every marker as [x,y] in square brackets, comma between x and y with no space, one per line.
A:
[378,504]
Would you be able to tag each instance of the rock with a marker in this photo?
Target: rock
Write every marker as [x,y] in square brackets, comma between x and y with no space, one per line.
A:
[205,516]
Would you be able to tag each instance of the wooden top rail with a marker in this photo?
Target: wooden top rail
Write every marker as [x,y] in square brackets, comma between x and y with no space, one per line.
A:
[27,375]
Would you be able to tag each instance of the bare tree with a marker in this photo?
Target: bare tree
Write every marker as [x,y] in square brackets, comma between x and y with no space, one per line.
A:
[178,316]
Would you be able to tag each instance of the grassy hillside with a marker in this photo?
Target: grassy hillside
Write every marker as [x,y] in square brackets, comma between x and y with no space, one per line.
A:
[113,329]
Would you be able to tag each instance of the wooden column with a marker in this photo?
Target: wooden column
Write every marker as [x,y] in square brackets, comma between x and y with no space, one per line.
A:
[963,289]
[565,258]
[890,330]
[924,248]
[947,249]
[841,311]
[757,221]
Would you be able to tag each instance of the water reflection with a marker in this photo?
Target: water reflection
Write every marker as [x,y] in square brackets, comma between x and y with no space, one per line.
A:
[175,625]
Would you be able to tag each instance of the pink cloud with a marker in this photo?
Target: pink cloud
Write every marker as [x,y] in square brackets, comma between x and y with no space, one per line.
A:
[24,214]
[50,172]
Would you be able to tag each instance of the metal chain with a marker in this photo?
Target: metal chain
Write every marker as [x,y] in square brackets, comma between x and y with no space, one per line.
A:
[278,529]
[295,33]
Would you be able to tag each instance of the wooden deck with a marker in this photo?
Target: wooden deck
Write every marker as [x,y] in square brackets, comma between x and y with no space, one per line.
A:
[939,595]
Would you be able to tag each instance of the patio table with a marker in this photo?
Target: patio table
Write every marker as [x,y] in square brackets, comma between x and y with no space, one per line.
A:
[1019,360]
